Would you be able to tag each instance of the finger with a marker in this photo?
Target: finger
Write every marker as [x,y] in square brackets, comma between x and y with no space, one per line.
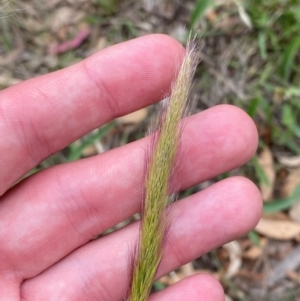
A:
[199,223]
[9,288]
[87,197]
[43,115]
[197,287]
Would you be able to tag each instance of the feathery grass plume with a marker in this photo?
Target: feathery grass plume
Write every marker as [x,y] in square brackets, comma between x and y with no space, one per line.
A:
[159,171]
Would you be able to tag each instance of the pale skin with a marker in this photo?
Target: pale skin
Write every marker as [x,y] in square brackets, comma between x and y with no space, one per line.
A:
[48,220]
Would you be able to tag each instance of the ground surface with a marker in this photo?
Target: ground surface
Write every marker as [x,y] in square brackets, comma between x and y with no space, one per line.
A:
[250,57]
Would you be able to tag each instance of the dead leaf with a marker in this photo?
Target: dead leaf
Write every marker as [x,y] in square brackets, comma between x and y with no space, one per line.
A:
[166,280]
[61,17]
[253,252]
[7,80]
[278,216]
[134,118]
[293,161]
[211,14]
[256,251]
[188,269]
[101,44]
[243,14]
[266,162]
[278,229]
[228,23]
[291,181]
[294,212]
[89,151]
[175,277]
[293,276]
[183,272]
[146,26]
[234,249]
[288,188]
[64,16]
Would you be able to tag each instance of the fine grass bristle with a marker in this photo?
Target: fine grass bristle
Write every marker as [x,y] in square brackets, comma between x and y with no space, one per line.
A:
[160,168]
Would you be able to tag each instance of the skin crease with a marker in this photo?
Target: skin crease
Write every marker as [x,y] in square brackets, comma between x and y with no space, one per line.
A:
[48,220]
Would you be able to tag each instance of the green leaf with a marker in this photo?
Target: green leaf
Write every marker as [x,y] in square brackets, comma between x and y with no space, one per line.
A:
[266,73]
[199,10]
[158,286]
[288,58]
[260,173]
[252,108]
[288,116]
[188,192]
[262,44]
[289,119]
[292,92]
[284,203]
[108,5]
[293,146]
[253,236]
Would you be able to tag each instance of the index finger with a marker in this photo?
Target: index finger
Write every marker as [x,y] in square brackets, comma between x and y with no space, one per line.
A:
[41,116]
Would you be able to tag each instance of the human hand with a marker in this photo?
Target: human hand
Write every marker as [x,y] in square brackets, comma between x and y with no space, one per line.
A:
[47,221]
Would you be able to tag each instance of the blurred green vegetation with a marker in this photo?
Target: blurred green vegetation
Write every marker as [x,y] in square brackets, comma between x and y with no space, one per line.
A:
[272,92]
[277,26]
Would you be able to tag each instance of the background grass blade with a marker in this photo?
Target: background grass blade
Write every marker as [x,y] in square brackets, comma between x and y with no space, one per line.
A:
[199,11]
[284,203]
[288,58]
